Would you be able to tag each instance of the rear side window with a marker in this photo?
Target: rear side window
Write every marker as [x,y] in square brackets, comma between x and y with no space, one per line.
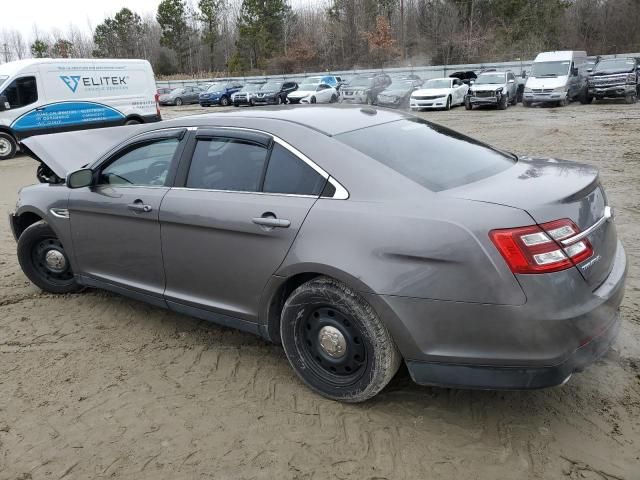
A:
[21,92]
[288,174]
[433,156]
[227,164]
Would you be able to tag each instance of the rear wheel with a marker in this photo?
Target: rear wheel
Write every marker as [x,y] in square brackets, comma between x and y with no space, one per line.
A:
[224,101]
[179,102]
[132,121]
[44,260]
[336,343]
[8,146]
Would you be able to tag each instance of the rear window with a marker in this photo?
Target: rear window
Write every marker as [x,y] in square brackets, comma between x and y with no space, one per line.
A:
[433,156]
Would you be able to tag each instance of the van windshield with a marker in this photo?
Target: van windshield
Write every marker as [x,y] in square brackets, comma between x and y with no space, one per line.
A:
[550,69]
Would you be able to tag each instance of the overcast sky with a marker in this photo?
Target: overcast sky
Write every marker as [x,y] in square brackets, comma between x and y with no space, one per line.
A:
[22,15]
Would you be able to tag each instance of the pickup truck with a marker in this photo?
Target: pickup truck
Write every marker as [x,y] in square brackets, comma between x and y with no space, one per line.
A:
[615,78]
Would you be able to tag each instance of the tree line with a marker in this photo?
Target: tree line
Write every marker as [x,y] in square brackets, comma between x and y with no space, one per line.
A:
[242,37]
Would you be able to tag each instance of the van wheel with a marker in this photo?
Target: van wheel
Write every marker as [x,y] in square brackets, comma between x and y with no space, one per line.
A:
[132,121]
[336,343]
[44,261]
[8,146]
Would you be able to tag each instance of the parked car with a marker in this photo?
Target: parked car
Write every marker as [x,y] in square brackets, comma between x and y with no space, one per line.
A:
[244,96]
[499,89]
[441,93]
[42,95]
[615,78]
[364,88]
[181,96]
[557,77]
[274,93]
[397,94]
[314,90]
[467,77]
[219,93]
[389,239]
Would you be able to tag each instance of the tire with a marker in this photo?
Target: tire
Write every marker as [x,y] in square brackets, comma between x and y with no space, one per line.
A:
[8,146]
[224,102]
[564,102]
[448,106]
[279,100]
[503,104]
[35,243]
[526,104]
[312,100]
[630,99]
[369,357]
[514,100]
[179,102]
[334,98]
[132,121]
[467,104]
[235,104]
[369,100]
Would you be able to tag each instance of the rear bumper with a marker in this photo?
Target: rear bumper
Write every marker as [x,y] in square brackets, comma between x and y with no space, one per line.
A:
[560,330]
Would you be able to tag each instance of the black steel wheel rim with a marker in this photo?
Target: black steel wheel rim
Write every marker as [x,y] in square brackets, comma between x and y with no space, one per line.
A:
[59,276]
[343,370]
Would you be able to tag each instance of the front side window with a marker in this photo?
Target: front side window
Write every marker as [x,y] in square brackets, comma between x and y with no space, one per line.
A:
[227,164]
[142,165]
[21,92]
[287,174]
[433,156]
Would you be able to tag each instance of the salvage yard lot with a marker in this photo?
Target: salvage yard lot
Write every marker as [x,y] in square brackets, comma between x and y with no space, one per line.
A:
[96,385]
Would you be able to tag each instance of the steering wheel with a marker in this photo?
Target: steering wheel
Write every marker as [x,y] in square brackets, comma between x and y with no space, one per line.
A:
[157,169]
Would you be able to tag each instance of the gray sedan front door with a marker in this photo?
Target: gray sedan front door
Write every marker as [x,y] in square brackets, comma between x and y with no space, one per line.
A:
[114,223]
[228,228]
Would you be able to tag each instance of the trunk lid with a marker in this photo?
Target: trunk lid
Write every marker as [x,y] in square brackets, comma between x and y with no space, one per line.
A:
[548,190]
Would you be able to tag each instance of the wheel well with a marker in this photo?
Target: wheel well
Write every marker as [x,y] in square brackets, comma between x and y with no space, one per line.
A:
[135,117]
[278,300]
[24,221]
[8,132]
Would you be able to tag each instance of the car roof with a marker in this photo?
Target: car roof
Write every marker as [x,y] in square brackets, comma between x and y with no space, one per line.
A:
[330,120]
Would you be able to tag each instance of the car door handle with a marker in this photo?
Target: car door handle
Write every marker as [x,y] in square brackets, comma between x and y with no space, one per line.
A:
[139,207]
[271,222]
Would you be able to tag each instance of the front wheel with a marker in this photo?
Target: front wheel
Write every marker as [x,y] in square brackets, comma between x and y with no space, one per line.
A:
[336,343]
[44,260]
[224,101]
[448,105]
[8,146]
[526,104]
[630,99]
[503,104]
[179,102]
[467,104]
[313,100]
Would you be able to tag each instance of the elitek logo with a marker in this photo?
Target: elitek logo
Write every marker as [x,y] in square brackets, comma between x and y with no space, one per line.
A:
[74,80]
[71,82]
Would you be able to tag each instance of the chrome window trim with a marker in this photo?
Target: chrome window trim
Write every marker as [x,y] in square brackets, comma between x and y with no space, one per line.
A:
[244,192]
[341,192]
[606,217]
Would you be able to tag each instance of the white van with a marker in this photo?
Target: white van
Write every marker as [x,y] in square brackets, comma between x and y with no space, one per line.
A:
[559,77]
[46,96]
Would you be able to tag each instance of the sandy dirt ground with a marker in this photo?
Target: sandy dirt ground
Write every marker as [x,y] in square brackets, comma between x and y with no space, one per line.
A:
[94,385]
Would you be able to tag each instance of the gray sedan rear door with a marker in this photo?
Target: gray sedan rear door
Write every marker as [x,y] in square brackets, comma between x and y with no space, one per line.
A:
[239,201]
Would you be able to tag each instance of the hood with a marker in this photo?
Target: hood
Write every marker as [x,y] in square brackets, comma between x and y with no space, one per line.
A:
[66,152]
[432,91]
[546,82]
[613,71]
[486,87]
[301,93]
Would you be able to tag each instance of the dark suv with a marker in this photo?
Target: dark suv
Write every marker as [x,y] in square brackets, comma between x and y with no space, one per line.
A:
[615,78]
[364,88]
[273,93]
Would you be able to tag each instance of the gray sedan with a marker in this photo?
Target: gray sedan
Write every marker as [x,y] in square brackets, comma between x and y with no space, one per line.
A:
[358,238]
[181,96]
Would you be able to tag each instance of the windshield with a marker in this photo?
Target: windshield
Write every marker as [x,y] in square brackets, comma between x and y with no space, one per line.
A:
[615,64]
[177,91]
[438,83]
[272,86]
[550,69]
[401,84]
[493,78]
[252,87]
[360,82]
[433,156]
[214,87]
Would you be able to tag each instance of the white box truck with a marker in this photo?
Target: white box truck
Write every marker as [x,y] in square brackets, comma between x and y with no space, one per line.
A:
[557,77]
[42,95]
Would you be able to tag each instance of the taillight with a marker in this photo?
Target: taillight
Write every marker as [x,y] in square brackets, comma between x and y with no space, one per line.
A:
[537,249]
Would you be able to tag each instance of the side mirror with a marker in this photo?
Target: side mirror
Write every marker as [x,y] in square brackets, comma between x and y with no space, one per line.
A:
[590,69]
[511,80]
[4,104]
[80,178]
[471,82]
